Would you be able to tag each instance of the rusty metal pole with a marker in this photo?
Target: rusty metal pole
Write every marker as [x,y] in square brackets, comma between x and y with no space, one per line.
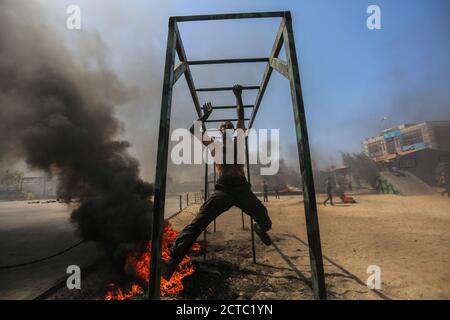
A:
[161,167]
[251,219]
[309,194]
[214,186]
[206,198]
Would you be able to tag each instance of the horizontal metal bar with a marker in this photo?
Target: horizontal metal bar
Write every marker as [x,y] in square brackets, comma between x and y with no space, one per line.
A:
[227,88]
[230,107]
[227,16]
[220,61]
[223,120]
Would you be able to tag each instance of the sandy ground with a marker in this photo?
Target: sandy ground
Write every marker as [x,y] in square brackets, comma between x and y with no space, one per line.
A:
[407,237]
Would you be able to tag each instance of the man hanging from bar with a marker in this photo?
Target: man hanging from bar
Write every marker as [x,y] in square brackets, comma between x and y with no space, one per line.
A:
[231,189]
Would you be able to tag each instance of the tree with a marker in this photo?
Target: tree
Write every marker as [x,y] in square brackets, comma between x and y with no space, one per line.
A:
[361,167]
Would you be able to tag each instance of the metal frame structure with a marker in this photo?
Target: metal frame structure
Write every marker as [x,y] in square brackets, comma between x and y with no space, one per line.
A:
[288,69]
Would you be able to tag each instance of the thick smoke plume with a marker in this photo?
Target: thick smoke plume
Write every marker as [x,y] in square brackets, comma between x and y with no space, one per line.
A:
[57,113]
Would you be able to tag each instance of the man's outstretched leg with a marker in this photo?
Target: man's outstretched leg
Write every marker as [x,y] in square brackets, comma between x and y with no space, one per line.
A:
[251,205]
[211,209]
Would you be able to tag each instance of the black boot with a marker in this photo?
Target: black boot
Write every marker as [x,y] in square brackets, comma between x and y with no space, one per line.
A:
[264,236]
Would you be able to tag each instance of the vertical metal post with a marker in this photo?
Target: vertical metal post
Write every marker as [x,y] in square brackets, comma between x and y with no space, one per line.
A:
[161,167]
[181,202]
[205,195]
[187,199]
[251,219]
[214,186]
[309,196]
[206,198]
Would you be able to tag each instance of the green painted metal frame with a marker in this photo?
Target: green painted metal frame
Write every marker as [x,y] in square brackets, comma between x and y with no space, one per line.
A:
[252,232]
[226,88]
[231,107]
[290,70]
[220,61]
[304,155]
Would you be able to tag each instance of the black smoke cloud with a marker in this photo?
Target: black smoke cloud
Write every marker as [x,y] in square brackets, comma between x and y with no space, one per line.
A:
[57,113]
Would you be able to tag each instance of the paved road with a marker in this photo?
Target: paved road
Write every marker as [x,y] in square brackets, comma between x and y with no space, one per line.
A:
[33,231]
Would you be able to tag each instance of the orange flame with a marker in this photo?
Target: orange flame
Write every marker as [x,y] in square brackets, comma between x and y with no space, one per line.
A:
[139,263]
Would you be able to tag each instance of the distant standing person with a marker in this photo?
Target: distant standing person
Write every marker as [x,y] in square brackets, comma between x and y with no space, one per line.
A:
[447,180]
[329,189]
[447,184]
[277,195]
[265,192]
[448,188]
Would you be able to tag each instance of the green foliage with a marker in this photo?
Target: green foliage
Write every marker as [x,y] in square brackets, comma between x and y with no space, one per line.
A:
[383,186]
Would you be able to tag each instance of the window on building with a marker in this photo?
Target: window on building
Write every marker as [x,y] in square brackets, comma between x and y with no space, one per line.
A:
[390,146]
[375,149]
[413,137]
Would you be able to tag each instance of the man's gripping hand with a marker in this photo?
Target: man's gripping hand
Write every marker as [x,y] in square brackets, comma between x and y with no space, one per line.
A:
[237,90]
[207,110]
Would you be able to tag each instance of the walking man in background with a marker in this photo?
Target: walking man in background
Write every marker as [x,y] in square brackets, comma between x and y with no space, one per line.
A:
[275,190]
[265,192]
[329,190]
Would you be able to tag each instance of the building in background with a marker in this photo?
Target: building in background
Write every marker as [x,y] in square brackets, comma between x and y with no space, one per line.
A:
[41,187]
[14,186]
[420,148]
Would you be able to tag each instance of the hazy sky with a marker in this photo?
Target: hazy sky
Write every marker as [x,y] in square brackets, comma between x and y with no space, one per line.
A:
[351,76]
